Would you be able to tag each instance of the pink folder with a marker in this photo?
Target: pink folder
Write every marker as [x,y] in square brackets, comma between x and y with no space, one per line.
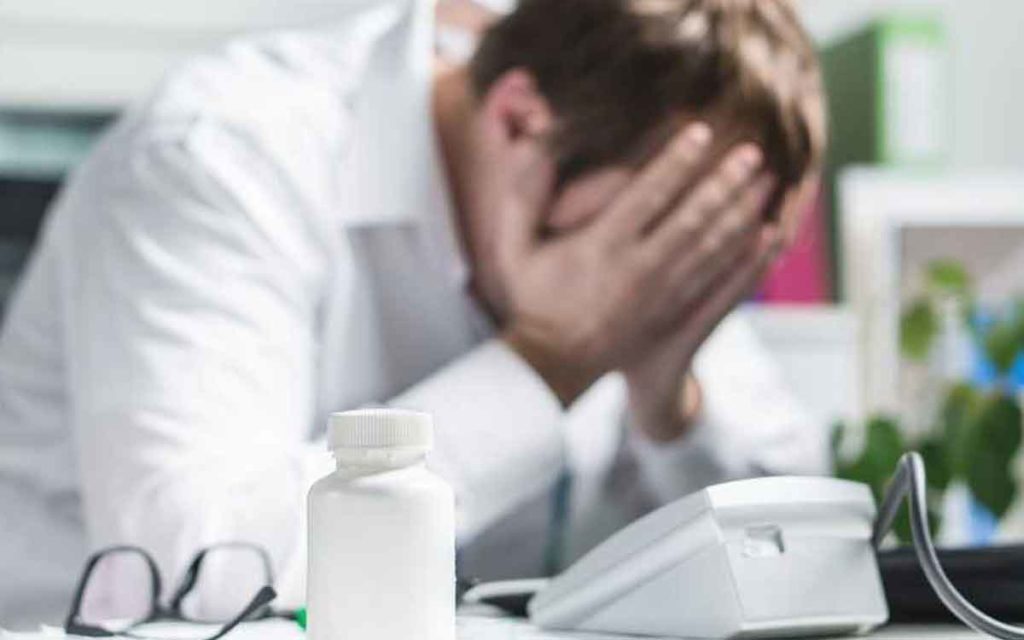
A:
[803,273]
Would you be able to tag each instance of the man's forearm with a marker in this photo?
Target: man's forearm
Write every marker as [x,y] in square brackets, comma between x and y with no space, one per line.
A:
[499,437]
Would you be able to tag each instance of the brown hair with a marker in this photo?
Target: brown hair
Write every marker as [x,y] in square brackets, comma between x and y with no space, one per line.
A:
[616,72]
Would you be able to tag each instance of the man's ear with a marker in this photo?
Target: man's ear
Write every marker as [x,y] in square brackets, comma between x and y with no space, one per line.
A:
[514,108]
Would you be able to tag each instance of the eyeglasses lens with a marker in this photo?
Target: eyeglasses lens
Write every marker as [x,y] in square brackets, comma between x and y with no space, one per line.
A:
[228,578]
[119,592]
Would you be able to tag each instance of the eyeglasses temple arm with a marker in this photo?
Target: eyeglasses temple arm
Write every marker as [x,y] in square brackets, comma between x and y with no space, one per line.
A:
[262,598]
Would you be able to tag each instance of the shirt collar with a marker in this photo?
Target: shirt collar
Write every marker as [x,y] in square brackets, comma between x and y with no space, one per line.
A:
[441,220]
[397,167]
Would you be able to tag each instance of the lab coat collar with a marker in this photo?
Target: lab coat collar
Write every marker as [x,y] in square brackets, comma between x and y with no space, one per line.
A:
[442,223]
[398,175]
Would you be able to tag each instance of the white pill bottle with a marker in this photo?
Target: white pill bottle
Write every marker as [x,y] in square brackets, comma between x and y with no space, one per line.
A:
[381,534]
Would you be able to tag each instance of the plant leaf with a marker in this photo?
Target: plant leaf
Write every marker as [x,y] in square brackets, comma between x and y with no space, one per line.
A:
[949,277]
[883,447]
[1018,320]
[918,328]
[955,416]
[877,460]
[936,464]
[1002,344]
[993,444]
[901,525]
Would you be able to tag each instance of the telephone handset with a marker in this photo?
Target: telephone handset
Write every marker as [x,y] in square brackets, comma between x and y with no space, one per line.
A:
[777,557]
[762,558]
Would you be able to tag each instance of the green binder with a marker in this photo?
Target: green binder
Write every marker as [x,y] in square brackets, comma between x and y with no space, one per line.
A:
[888,89]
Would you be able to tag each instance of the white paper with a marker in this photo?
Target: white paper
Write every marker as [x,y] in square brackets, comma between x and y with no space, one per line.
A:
[259,630]
[473,628]
[469,628]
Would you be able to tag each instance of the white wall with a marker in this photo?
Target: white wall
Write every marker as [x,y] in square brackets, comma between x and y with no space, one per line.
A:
[101,54]
[48,58]
[987,73]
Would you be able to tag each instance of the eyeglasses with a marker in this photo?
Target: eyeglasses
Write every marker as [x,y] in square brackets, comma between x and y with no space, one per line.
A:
[120,591]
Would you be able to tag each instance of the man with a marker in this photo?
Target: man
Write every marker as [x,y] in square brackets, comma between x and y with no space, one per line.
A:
[533,248]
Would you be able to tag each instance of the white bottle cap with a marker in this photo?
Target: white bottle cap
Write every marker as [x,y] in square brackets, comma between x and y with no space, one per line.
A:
[380,429]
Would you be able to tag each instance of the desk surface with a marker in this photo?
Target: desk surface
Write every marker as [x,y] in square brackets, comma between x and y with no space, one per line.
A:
[945,631]
[475,628]
[481,628]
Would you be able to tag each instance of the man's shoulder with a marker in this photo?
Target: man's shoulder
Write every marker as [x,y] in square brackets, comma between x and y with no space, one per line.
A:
[281,104]
[262,114]
[277,103]
[299,79]
[268,84]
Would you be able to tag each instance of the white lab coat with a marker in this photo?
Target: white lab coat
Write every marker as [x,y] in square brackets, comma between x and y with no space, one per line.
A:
[268,240]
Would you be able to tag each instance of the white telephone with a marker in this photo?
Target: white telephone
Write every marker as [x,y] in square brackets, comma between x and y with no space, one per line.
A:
[776,557]
[764,558]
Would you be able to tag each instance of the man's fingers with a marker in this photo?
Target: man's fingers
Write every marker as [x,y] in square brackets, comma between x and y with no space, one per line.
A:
[659,184]
[729,240]
[744,216]
[690,268]
[719,298]
[688,283]
[723,202]
[723,296]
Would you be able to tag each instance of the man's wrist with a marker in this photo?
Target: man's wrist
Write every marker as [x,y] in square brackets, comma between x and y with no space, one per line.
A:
[566,381]
[678,416]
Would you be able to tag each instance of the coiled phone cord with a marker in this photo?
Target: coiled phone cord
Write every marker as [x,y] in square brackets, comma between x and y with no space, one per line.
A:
[910,480]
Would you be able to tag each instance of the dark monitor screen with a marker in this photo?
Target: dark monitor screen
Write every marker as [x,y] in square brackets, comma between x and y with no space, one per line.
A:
[23,203]
[37,148]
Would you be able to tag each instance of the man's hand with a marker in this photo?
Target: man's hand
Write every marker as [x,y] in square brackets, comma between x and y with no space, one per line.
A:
[664,396]
[597,299]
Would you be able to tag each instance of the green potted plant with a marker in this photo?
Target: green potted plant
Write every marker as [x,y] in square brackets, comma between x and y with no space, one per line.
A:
[974,434]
